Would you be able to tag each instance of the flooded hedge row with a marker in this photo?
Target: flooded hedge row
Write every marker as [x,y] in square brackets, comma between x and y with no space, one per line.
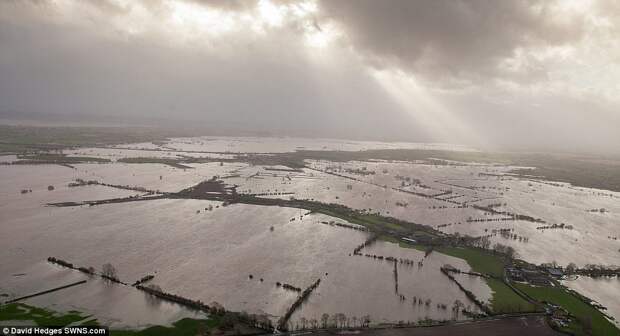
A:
[344,225]
[108,273]
[370,240]
[215,309]
[282,323]
[468,293]
[404,261]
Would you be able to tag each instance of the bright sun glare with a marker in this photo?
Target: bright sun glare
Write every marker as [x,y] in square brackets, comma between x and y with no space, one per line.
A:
[182,21]
[194,20]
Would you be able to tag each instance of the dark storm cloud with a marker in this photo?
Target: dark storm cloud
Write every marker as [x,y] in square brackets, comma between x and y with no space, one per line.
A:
[465,38]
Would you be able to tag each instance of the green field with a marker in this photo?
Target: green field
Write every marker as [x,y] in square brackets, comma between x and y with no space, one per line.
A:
[19,139]
[504,299]
[42,317]
[402,243]
[375,223]
[586,314]
[480,261]
[185,327]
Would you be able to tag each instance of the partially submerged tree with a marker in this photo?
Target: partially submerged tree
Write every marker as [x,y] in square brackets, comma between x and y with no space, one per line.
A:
[108,271]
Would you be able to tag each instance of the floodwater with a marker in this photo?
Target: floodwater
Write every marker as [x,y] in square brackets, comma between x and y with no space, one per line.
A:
[603,290]
[360,286]
[198,253]
[116,306]
[210,254]
[291,144]
[7,158]
[593,239]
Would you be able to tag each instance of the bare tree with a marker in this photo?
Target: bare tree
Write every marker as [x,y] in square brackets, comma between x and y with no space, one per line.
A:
[458,305]
[485,243]
[335,320]
[342,318]
[303,321]
[365,321]
[324,320]
[107,270]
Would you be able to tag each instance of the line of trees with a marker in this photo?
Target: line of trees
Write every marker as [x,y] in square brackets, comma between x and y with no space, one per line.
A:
[369,241]
[340,320]
[108,271]
[228,319]
[445,270]
[593,270]
[289,287]
[391,259]
[283,322]
[144,279]
[345,225]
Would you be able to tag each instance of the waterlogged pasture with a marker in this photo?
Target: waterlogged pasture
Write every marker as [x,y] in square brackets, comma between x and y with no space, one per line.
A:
[153,176]
[115,306]
[206,251]
[362,286]
[210,255]
[590,235]
[602,290]
[288,144]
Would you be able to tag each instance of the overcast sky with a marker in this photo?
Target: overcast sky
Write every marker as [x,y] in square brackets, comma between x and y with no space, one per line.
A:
[531,74]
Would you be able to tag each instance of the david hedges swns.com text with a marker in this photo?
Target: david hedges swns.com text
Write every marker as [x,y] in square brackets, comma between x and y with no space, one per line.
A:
[54,331]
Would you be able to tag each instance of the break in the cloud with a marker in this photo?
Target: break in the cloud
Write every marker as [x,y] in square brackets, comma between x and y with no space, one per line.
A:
[524,74]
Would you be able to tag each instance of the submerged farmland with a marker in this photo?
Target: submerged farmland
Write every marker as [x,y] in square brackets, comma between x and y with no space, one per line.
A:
[286,230]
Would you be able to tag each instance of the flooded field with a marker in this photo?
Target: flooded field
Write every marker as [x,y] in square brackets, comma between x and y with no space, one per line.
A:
[590,217]
[240,255]
[602,290]
[119,307]
[285,144]
[361,286]
[210,255]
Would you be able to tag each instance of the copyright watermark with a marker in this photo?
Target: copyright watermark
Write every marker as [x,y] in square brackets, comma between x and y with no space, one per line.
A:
[21,330]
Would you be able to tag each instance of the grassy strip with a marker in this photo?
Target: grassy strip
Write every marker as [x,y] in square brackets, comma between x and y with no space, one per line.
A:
[40,316]
[170,162]
[46,158]
[375,223]
[480,261]
[589,321]
[504,299]
[44,317]
[402,243]
[184,327]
